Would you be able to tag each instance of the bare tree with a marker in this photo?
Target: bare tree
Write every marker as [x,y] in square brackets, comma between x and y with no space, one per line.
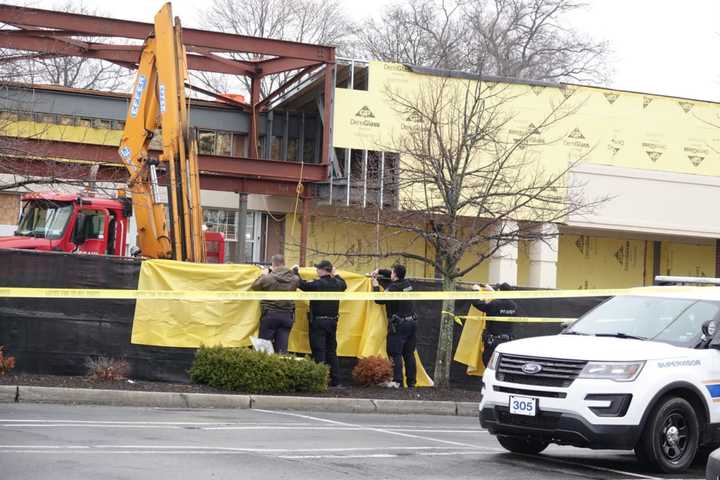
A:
[75,72]
[310,21]
[421,32]
[526,39]
[471,182]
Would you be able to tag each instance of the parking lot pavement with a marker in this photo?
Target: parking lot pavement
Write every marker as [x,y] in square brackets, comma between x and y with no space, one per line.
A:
[64,442]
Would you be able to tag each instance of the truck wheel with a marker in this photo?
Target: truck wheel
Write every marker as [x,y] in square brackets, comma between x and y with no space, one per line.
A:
[669,441]
[528,445]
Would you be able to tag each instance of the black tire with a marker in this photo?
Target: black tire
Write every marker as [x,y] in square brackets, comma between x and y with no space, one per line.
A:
[527,445]
[669,441]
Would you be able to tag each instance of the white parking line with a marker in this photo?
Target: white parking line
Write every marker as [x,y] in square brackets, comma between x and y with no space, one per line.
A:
[306,457]
[588,466]
[467,445]
[379,430]
[113,448]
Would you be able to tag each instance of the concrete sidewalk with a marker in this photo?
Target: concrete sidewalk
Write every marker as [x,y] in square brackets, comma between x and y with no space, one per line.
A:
[131,398]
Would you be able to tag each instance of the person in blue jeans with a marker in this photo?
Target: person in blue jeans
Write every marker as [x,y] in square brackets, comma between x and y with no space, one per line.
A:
[402,325]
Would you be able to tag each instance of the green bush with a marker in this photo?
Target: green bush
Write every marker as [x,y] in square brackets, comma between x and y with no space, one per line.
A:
[245,370]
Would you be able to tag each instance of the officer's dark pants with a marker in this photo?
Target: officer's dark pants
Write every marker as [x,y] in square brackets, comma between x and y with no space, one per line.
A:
[401,347]
[275,325]
[494,334]
[323,344]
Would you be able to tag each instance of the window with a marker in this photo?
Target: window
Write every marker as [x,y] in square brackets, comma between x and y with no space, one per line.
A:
[44,220]
[206,142]
[276,148]
[223,221]
[224,144]
[85,122]
[102,123]
[292,149]
[239,145]
[118,125]
[677,321]
[309,150]
[67,120]
[49,118]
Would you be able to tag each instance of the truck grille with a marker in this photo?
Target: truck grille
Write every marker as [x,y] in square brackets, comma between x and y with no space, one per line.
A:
[554,372]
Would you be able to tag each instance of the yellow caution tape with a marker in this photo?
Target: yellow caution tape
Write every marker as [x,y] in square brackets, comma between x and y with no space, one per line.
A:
[459,319]
[240,295]
[530,319]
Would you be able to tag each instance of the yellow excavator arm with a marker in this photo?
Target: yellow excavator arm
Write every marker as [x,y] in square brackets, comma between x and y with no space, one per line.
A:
[158,100]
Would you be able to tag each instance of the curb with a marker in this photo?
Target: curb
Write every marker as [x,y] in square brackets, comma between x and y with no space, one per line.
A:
[131,398]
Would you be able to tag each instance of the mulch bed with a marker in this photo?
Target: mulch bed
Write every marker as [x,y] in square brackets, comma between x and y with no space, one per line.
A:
[452,394]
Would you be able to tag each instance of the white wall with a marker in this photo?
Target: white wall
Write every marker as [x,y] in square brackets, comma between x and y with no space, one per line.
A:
[649,201]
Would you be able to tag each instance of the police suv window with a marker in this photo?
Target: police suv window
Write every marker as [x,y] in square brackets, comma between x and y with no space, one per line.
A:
[686,330]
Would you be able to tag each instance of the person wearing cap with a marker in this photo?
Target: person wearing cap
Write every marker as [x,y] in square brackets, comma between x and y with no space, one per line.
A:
[500,332]
[402,325]
[278,316]
[324,316]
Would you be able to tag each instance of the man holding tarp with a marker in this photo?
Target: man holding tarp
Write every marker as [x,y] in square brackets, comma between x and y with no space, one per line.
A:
[324,317]
[500,307]
[277,316]
[402,325]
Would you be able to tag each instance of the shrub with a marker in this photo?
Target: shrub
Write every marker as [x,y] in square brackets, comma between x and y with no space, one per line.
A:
[104,368]
[246,370]
[6,363]
[371,371]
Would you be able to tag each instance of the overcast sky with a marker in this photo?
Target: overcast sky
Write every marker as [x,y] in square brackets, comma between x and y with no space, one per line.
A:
[665,47]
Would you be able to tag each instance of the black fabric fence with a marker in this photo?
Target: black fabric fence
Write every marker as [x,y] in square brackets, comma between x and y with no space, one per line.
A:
[56,336]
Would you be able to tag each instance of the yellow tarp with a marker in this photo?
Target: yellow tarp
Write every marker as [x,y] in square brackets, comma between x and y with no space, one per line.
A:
[470,346]
[362,328]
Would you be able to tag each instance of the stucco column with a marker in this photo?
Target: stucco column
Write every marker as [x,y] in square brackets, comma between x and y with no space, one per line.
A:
[543,258]
[503,263]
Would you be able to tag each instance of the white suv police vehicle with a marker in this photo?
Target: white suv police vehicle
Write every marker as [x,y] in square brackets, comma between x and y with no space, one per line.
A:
[640,371]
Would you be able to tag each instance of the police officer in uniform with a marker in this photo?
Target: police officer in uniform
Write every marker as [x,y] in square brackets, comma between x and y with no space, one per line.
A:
[324,317]
[402,325]
[495,332]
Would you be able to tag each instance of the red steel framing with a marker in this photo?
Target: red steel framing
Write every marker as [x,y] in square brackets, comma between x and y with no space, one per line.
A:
[268,177]
[50,33]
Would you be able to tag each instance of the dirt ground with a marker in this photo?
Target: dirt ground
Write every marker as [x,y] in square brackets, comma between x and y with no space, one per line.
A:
[453,394]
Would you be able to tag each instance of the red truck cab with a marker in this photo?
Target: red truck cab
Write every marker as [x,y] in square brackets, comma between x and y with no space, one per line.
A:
[73,223]
[65,222]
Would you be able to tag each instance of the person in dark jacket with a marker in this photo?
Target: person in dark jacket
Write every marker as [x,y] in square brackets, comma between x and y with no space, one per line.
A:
[402,325]
[495,332]
[278,316]
[324,316]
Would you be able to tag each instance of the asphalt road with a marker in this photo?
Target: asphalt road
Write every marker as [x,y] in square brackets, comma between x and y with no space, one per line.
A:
[68,442]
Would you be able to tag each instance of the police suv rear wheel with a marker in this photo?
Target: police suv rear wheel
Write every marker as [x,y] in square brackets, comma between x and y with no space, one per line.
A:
[528,445]
[670,439]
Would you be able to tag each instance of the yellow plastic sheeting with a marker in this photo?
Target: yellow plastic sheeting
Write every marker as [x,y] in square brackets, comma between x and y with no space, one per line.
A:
[362,328]
[470,346]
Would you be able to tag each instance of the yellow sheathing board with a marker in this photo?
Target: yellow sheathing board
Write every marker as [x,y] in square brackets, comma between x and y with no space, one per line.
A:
[477,274]
[598,262]
[685,259]
[346,239]
[67,133]
[523,263]
[609,127]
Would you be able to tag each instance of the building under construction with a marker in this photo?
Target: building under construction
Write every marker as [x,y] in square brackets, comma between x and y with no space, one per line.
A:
[277,166]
